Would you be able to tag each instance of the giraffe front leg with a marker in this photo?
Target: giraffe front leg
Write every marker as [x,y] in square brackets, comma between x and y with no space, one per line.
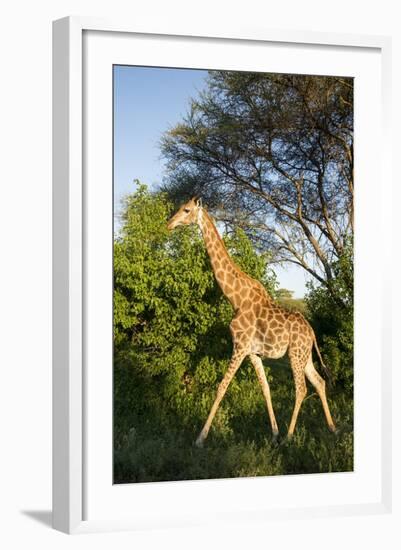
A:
[260,372]
[235,363]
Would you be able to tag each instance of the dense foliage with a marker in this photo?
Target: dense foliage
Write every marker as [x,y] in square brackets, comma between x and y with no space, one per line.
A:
[333,319]
[171,348]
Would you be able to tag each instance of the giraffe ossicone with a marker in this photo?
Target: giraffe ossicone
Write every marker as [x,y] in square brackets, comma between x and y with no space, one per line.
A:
[260,327]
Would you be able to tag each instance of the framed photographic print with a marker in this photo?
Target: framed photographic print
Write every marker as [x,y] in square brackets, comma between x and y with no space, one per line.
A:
[219,327]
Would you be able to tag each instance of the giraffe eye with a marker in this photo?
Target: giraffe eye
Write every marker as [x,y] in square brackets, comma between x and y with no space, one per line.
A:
[187,210]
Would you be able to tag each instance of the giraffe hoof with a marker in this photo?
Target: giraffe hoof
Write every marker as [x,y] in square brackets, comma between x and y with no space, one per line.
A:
[275,437]
[199,442]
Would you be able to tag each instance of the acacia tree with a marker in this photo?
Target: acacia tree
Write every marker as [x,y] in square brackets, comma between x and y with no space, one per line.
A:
[274,154]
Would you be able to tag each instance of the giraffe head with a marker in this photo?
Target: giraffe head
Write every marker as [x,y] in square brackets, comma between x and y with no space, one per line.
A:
[187,214]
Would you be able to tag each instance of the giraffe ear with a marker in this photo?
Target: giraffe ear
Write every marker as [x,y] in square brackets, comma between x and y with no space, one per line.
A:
[197,200]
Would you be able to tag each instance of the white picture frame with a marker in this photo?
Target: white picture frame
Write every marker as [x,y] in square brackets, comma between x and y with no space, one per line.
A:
[71,250]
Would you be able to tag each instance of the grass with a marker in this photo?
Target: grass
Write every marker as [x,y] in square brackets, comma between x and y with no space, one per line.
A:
[239,443]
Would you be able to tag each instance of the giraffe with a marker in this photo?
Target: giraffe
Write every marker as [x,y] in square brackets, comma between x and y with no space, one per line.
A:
[260,327]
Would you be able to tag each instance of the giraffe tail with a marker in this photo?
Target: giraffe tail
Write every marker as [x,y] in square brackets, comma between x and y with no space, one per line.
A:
[326,369]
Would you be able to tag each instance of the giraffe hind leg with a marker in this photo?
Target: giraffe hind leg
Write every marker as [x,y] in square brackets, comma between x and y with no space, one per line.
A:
[298,368]
[320,385]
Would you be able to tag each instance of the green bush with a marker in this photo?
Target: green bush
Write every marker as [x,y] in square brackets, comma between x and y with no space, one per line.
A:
[172,346]
[331,314]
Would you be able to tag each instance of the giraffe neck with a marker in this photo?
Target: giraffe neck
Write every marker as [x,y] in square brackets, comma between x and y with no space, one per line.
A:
[228,275]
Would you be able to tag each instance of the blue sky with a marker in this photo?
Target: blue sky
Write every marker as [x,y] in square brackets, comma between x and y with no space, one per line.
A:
[147,101]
